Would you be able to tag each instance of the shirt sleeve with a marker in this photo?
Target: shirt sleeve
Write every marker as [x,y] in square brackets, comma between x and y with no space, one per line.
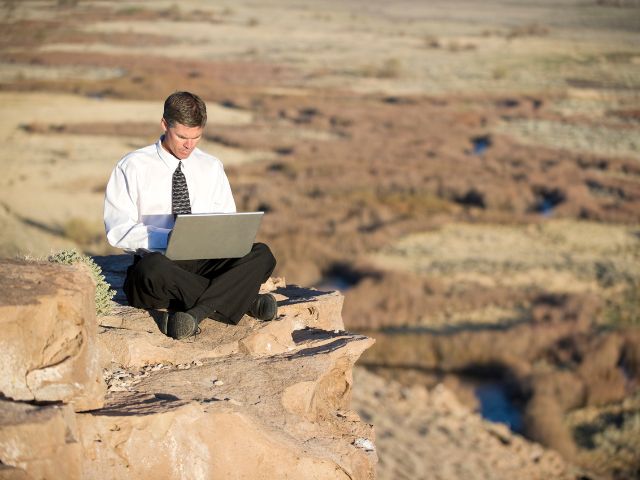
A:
[228,205]
[121,216]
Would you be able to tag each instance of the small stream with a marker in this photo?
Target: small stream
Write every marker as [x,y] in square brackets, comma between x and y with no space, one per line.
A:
[334,282]
[340,276]
[481,144]
[496,405]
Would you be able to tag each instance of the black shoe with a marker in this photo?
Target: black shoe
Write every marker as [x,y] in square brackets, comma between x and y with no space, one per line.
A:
[264,307]
[181,325]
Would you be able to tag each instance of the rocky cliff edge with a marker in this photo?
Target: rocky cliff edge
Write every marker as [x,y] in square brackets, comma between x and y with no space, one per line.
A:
[111,397]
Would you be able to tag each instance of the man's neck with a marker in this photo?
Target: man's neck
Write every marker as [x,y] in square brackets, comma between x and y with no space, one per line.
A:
[166,149]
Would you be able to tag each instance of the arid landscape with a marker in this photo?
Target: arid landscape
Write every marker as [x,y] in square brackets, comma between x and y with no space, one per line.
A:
[467,174]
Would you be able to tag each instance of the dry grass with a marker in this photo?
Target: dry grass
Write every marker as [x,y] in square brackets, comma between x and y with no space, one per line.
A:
[390,68]
[555,256]
[595,138]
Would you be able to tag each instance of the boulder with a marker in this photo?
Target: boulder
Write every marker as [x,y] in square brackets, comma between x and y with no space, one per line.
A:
[48,343]
[38,442]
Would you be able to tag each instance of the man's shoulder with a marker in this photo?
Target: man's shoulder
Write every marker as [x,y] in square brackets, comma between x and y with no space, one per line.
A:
[139,157]
[206,160]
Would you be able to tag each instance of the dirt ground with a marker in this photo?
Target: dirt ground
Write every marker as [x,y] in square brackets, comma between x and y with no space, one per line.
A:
[454,169]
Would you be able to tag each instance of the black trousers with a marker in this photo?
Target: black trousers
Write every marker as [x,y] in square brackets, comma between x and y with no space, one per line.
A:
[227,286]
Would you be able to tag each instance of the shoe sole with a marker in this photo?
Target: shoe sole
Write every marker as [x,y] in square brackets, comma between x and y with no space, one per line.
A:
[164,322]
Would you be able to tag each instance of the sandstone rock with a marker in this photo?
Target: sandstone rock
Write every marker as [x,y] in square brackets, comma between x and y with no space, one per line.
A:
[254,400]
[10,473]
[235,417]
[192,442]
[38,442]
[272,284]
[47,347]
[298,308]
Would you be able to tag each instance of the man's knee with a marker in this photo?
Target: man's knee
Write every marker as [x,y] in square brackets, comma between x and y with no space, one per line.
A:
[144,279]
[263,252]
[152,265]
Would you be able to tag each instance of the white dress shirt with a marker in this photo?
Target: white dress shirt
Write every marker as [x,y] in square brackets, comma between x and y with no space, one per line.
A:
[137,205]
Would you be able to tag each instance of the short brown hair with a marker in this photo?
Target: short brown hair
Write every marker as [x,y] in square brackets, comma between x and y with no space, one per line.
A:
[185,108]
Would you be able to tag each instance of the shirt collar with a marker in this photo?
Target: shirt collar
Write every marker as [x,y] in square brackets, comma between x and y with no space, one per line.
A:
[167,158]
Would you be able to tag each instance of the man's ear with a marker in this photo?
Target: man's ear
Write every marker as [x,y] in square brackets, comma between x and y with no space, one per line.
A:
[164,125]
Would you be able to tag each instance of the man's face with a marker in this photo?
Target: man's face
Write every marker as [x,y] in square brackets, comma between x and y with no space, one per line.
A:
[180,140]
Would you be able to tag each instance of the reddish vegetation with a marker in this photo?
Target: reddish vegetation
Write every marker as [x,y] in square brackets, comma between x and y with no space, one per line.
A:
[150,77]
[121,129]
[12,34]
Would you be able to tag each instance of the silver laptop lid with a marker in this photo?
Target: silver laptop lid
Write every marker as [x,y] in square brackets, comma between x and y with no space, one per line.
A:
[213,235]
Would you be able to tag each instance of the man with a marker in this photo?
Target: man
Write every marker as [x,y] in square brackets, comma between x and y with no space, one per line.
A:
[146,190]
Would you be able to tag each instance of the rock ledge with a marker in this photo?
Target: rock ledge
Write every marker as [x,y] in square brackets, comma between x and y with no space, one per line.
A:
[254,400]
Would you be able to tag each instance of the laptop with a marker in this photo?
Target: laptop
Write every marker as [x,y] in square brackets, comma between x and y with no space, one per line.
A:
[213,235]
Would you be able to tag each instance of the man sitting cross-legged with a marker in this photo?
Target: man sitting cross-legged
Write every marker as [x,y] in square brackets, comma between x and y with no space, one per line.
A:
[146,190]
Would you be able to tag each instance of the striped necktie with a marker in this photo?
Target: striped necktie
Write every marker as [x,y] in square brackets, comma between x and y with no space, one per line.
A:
[179,193]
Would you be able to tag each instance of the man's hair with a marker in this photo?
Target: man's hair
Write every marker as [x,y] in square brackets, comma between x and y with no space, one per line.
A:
[185,108]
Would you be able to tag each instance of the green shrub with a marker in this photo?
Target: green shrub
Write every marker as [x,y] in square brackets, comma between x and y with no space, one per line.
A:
[104,293]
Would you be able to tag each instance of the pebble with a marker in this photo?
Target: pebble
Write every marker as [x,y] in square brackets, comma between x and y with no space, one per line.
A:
[118,388]
[365,444]
[120,380]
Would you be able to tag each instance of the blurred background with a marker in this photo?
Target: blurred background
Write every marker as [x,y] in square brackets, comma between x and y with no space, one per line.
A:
[467,173]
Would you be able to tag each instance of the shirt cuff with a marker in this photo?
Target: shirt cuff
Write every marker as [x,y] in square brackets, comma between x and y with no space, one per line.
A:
[158,237]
